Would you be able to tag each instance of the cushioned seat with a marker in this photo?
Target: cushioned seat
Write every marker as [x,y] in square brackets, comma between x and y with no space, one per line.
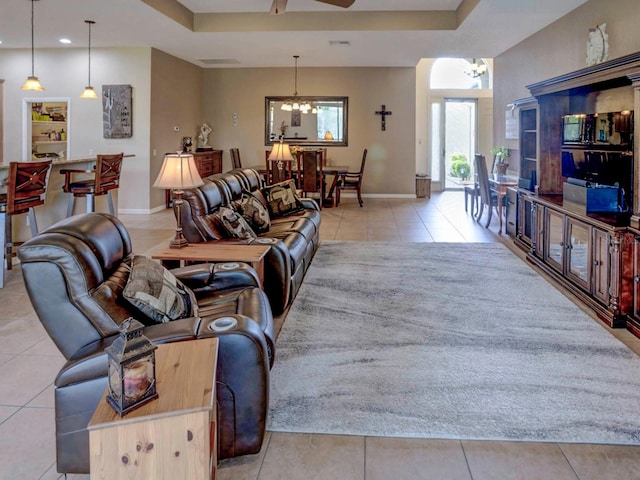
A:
[294,238]
[78,274]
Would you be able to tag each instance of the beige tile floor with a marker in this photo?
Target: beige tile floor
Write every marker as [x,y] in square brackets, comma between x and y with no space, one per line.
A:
[29,362]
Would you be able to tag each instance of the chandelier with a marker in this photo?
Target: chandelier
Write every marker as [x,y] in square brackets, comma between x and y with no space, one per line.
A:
[295,103]
[477,69]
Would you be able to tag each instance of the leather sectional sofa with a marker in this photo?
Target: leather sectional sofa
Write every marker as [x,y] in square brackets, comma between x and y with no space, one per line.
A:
[76,273]
[294,238]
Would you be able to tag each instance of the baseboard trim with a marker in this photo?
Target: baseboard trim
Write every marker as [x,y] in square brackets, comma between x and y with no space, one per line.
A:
[379,195]
[141,211]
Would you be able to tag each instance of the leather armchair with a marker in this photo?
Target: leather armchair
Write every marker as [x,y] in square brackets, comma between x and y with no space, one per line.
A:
[75,272]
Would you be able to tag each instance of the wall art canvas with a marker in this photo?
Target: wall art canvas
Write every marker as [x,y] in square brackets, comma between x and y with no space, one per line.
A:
[296,118]
[116,111]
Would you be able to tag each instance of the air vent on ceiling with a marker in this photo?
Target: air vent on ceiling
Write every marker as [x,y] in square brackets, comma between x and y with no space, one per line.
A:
[340,43]
[219,61]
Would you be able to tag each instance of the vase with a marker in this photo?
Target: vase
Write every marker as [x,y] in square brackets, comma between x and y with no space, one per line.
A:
[501,168]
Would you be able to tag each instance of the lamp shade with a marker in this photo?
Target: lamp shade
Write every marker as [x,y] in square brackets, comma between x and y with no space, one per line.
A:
[280,151]
[178,171]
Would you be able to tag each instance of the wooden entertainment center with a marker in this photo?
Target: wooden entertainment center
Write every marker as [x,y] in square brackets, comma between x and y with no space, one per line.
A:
[594,253]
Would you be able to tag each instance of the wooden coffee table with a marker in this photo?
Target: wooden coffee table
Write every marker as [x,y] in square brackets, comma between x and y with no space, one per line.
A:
[171,437]
[218,252]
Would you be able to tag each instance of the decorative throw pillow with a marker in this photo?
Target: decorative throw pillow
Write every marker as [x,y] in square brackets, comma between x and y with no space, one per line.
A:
[234,223]
[282,199]
[157,293]
[254,212]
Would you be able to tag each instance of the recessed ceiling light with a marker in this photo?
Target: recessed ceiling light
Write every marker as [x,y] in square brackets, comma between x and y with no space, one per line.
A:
[65,40]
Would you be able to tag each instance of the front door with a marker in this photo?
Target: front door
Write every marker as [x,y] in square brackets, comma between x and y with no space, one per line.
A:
[454,142]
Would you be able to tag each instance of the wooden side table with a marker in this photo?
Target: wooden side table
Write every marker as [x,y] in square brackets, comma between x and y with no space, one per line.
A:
[218,252]
[173,436]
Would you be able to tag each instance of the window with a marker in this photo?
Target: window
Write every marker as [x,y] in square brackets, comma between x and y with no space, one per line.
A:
[455,73]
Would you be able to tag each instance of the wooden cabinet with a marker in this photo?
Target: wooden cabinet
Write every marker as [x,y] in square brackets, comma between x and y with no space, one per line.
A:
[171,437]
[587,256]
[524,219]
[511,211]
[208,162]
[633,324]
[528,116]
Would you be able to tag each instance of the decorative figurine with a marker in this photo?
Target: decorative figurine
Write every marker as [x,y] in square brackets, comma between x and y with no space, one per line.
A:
[203,137]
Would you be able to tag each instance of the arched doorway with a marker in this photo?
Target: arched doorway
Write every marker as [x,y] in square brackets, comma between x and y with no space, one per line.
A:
[455,85]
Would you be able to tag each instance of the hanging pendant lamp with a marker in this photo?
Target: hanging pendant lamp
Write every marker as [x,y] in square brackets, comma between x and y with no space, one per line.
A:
[89,92]
[32,82]
[295,104]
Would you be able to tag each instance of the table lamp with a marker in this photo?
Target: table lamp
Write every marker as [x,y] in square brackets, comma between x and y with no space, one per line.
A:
[178,172]
[279,153]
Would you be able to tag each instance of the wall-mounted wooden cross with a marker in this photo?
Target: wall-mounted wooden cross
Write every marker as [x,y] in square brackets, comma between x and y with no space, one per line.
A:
[383,113]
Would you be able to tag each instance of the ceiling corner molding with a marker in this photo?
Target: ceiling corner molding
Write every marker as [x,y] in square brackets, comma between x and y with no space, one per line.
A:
[465,8]
[174,10]
[326,21]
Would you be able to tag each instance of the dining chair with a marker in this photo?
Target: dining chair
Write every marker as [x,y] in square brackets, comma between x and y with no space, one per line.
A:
[472,191]
[277,170]
[352,181]
[488,197]
[235,158]
[105,177]
[26,188]
[310,177]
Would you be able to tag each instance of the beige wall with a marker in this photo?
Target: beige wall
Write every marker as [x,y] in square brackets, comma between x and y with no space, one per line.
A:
[558,49]
[391,161]
[63,73]
[176,101]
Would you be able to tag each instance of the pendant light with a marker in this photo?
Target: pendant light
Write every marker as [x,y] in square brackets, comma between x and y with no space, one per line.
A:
[32,82]
[295,104]
[89,92]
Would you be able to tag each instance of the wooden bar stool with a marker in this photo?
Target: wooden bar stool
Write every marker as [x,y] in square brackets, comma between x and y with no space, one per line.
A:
[26,189]
[106,177]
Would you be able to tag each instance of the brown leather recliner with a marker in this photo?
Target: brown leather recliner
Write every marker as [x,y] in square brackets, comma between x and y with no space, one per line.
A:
[293,239]
[75,272]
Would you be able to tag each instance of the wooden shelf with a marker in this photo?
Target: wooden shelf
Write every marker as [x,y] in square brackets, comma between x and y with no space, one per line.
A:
[49,122]
[50,142]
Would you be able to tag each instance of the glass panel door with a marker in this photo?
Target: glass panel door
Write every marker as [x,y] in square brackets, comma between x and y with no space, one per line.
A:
[460,141]
[554,239]
[578,255]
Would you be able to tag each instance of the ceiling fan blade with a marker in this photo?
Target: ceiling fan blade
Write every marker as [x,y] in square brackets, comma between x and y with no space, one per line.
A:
[338,3]
[278,7]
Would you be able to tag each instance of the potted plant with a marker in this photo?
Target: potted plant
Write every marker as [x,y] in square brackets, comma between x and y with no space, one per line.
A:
[501,154]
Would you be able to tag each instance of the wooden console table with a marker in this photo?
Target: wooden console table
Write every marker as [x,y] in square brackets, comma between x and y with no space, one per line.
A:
[218,252]
[171,437]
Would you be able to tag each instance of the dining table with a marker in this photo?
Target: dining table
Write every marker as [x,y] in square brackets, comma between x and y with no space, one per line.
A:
[327,171]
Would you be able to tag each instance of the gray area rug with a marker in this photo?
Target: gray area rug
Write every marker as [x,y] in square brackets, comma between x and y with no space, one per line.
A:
[451,341]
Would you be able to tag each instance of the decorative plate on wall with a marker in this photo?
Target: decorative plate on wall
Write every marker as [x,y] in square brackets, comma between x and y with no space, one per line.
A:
[597,45]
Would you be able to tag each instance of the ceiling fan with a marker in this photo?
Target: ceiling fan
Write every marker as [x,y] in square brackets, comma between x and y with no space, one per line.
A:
[278,6]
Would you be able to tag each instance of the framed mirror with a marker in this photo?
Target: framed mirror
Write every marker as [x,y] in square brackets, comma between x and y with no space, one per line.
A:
[323,124]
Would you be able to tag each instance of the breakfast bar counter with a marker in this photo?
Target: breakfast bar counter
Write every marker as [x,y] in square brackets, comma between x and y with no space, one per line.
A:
[55,207]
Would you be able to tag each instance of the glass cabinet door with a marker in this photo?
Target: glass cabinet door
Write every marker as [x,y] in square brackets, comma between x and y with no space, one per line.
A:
[554,239]
[600,265]
[578,252]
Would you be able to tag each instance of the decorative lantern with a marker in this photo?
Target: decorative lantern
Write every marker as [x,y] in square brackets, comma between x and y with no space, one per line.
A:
[132,368]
